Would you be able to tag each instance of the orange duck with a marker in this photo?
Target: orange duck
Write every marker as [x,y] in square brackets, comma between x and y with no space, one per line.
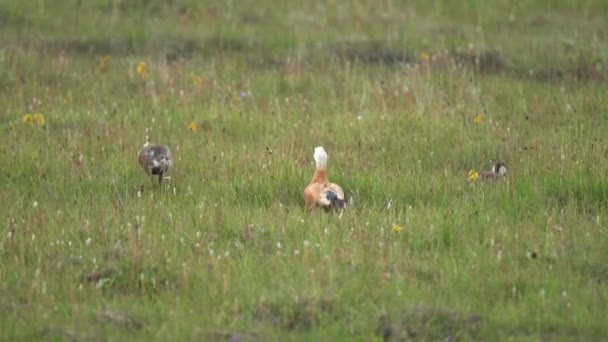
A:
[320,192]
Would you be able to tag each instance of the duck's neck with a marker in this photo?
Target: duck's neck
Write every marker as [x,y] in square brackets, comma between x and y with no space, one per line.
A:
[320,176]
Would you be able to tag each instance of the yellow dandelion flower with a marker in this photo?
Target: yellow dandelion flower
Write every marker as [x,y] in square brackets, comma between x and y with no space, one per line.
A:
[197,81]
[473,175]
[103,61]
[396,228]
[39,118]
[478,119]
[425,56]
[193,126]
[28,118]
[142,68]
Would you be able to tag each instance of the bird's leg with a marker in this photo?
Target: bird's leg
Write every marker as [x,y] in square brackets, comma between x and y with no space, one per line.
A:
[160,177]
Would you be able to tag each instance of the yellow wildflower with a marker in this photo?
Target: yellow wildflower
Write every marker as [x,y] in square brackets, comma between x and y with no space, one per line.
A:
[39,118]
[28,118]
[197,81]
[425,56]
[103,61]
[478,119]
[193,126]
[473,175]
[142,68]
[397,228]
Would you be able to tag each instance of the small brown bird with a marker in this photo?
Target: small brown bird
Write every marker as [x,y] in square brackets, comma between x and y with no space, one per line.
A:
[498,172]
[155,159]
[320,192]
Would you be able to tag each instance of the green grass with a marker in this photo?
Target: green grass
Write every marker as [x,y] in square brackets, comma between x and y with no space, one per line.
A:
[225,249]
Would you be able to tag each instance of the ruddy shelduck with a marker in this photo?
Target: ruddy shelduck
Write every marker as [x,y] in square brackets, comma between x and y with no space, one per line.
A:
[155,159]
[498,172]
[320,192]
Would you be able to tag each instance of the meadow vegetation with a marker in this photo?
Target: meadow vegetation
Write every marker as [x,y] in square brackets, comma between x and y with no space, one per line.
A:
[406,97]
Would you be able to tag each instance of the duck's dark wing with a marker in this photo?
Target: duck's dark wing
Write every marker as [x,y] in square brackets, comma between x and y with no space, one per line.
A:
[335,201]
[334,196]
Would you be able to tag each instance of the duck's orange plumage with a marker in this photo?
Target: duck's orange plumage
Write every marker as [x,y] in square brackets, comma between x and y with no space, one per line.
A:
[320,191]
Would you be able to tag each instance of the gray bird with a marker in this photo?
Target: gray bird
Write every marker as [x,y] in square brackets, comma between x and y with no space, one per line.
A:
[155,159]
[498,171]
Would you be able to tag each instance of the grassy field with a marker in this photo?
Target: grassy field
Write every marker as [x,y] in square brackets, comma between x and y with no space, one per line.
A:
[406,97]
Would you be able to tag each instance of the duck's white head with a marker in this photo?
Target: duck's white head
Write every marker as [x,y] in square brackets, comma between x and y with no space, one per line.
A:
[500,169]
[320,157]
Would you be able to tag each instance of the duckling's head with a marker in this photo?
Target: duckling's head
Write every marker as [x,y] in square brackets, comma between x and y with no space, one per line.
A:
[500,169]
[320,157]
